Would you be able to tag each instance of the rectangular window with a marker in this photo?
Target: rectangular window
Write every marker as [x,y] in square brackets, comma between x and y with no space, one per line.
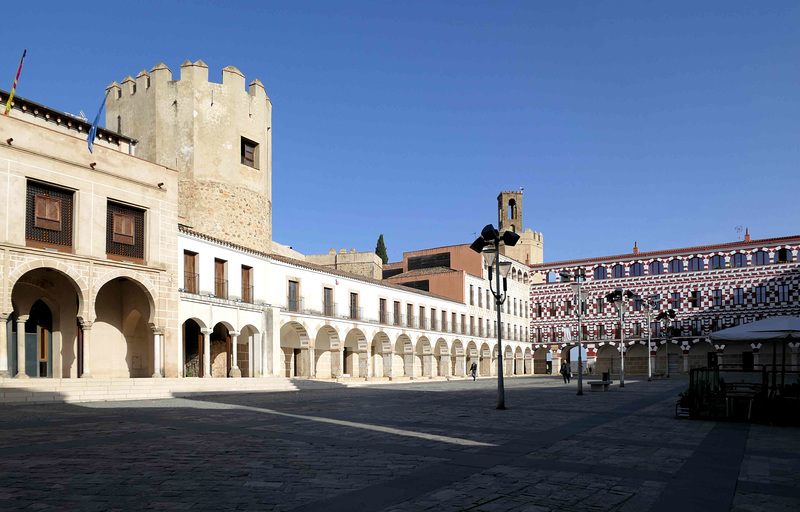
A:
[327,301]
[655,329]
[738,296]
[48,217]
[433,319]
[552,309]
[601,332]
[601,305]
[422,319]
[220,278]
[247,284]
[480,297]
[568,306]
[249,153]
[471,295]
[697,327]
[488,300]
[584,332]
[190,275]
[637,329]
[637,303]
[354,313]
[783,293]
[716,296]
[382,311]
[124,233]
[480,326]
[761,294]
[397,320]
[539,334]
[472,325]
[409,315]
[694,300]
[294,296]
[444,321]
[463,324]
[453,322]
[675,302]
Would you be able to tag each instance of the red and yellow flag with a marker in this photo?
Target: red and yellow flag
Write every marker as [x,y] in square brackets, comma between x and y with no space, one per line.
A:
[16,79]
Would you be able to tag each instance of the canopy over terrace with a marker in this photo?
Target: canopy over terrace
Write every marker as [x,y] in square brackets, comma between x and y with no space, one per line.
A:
[773,328]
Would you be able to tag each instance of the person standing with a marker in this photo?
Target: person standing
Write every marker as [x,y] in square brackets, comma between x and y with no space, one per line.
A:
[474,370]
[565,371]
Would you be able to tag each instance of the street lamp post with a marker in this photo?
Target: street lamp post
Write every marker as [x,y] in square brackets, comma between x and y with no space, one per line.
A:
[488,244]
[649,304]
[666,318]
[580,300]
[618,298]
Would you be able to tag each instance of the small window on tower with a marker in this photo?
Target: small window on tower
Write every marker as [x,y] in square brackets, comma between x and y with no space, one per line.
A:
[48,212]
[249,153]
[123,228]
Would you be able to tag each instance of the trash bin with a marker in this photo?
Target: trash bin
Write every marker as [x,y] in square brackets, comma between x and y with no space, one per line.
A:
[606,375]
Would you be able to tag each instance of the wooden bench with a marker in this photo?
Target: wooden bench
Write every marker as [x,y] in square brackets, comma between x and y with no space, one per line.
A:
[600,385]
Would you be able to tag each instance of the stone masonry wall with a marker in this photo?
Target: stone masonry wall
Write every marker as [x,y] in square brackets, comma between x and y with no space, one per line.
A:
[227,212]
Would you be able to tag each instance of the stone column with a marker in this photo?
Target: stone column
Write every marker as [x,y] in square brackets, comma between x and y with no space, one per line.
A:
[158,335]
[363,364]
[444,365]
[461,369]
[387,365]
[251,360]
[427,366]
[235,371]
[86,327]
[4,373]
[408,362]
[206,352]
[336,363]
[21,347]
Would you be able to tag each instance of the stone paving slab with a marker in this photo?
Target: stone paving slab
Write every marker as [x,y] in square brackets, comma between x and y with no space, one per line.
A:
[410,446]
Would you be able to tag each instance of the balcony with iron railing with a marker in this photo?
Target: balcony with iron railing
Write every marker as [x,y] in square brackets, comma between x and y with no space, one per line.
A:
[247,294]
[191,282]
[221,288]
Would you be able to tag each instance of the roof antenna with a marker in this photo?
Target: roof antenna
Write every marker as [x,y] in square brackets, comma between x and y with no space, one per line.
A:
[738,232]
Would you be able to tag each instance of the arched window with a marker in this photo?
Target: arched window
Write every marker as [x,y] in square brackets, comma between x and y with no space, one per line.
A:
[717,262]
[619,271]
[739,260]
[637,269]
[512,208]
[656,268]
[783,256]
[600,273]
[696,264]
[760,258]
[525,278]
[675,266]
[513,274]
[551,277]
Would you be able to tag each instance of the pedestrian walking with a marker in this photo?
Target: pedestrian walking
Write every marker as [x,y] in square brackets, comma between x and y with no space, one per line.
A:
[565,371]
[474,370]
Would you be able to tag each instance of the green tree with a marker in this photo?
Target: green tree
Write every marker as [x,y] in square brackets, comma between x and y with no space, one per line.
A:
[380,250]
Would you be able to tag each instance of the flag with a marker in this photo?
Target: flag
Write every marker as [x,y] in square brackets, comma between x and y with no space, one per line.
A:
[16,79]
[93,129]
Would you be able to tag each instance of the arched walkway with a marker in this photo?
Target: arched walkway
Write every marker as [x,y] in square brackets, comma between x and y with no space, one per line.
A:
[44,307]
[402,364]
[485,368]
[423,358]
[636,359]
[442,358]
[296,351]
[381,355]
[192,336]
[540,361]
[699,354]
[608,359]
[458,359]
[122,340]
[327,349]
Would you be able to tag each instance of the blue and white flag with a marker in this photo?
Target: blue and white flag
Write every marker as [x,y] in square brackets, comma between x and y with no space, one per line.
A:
[93,129]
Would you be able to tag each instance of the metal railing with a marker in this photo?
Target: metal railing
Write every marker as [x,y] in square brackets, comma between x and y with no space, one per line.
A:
[191,282]
[247,294]
[221,288]
[294,304]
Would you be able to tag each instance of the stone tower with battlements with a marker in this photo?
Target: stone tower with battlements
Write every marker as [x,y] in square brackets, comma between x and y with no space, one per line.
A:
[217,135]
[530,248]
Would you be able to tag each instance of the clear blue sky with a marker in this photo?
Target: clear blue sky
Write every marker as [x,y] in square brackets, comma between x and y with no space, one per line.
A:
[668,123]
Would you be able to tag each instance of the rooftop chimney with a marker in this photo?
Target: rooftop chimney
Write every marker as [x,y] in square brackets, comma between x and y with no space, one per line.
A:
[747,234]
[635,247]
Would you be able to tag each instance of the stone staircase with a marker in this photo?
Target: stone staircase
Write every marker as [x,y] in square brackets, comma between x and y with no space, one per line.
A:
[15,391]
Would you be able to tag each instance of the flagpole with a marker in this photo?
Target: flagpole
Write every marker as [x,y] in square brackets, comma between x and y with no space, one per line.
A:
[16,79]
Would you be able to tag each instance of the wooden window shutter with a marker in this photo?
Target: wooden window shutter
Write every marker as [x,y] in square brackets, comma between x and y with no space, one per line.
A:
[123,229]
[48,213]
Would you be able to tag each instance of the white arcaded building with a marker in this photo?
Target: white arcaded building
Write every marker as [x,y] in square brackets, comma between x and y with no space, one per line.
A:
[164,265]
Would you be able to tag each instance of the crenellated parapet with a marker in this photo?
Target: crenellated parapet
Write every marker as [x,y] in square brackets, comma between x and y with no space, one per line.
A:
[218,135]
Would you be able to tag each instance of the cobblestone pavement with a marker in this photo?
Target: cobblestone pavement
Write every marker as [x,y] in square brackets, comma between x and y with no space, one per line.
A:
[404,447]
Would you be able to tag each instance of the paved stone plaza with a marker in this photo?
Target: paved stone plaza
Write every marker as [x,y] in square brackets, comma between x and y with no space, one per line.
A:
[396,447]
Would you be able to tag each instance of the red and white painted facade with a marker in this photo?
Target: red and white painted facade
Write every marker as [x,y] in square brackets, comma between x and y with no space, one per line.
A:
[738,282]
